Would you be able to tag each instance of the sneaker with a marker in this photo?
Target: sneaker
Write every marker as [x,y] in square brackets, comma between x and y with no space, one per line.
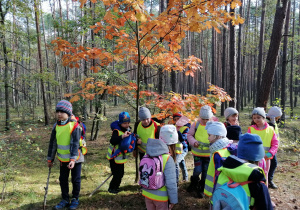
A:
[272,185]
[74,203]
[61,205]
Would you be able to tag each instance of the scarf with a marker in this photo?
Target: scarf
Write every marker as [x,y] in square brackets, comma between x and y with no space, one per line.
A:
[219,144]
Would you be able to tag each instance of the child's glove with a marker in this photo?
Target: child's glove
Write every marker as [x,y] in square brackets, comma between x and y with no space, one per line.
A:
[268,156]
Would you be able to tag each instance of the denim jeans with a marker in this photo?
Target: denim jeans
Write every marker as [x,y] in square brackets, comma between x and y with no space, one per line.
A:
[201,167]
[272,168]
[64,180]
[181,163]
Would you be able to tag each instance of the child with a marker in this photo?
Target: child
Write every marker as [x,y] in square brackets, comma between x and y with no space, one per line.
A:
[231,116]
[165,146]
[198,139]
[182,126]
[64,141]
[218,153]
[121,130]
[244,168]
[145,128]
[274,114]
[261,127]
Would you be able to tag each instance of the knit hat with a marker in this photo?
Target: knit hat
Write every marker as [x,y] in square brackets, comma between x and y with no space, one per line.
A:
[182,121]
[274,111]
[144,113]
[250,147]
[230,111]
[216,128]
[168,134]
[205,112]
[124,117]
[234,132]
[260,111]
[64,106]
[178,114]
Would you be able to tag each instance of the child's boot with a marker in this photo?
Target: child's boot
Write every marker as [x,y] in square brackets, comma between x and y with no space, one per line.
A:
[193,185]
[63,204]
[200,189]
[74,203]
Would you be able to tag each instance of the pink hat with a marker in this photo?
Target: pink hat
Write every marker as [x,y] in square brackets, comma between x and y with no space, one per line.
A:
[182,121]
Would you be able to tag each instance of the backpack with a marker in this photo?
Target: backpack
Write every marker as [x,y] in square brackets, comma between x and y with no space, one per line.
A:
[82,142]
[127,145]
[152,172]
[231,196]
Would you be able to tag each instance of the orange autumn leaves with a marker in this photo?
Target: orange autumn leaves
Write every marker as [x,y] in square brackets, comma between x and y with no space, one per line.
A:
[158,37]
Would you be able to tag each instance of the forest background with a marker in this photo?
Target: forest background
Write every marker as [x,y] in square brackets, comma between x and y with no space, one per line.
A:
[112,56]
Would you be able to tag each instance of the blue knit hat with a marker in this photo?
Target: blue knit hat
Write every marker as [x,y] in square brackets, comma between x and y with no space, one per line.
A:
[250,147]
[124,117]
[64,106]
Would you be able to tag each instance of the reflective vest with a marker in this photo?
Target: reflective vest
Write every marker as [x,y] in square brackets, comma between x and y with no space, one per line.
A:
[145,133]
[239,174]
[63,138]
[120,159]
[266,136]
[276,131]
[179,146]
[202,137]
[162,193]
[210,177]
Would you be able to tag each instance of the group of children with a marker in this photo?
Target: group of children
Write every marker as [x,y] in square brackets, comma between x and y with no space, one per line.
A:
[221,154]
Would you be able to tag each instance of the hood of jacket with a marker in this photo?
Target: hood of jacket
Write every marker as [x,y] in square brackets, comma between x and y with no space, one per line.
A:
[156,147]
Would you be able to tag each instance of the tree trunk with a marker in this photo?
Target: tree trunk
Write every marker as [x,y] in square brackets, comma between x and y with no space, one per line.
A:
[224,65]
[232,78]
[3,12]
[292,63]
[261,49]
[284,62]
[36,12]
[239,70]
[276,36]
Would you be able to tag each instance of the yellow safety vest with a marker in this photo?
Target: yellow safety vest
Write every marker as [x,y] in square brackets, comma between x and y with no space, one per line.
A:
[145,133]
[63,138]
[120,159]
[210,177]
[160,194]
[202,137]
[266,136]
[179,146]
[276,131]
[239,174]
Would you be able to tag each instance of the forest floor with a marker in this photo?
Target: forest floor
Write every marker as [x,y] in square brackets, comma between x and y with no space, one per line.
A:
[23,171]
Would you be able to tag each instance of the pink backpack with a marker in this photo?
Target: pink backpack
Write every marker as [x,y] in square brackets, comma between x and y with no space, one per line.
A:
[152,172]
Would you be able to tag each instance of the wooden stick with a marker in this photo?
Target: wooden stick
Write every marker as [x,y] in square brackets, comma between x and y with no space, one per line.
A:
[46,189]
[100,185]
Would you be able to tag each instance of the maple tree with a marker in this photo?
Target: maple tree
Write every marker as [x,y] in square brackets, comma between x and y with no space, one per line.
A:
[145,39]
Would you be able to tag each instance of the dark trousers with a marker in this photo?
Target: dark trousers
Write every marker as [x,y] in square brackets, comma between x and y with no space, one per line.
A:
[273,166]
[117,171]
[141,155]
[64,180]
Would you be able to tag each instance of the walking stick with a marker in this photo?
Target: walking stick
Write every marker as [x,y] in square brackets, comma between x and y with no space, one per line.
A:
[100,185]
[46,189]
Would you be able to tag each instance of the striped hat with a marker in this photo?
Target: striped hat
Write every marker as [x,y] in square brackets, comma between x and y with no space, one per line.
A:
[64,106]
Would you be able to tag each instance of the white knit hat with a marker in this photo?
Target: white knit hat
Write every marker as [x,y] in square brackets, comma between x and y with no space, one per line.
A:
[260,111]
[216,128]
[205,112]
[168,134]
[230,111]
[274,111]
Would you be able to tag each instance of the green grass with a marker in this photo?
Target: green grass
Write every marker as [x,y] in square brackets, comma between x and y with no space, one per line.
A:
[23,165]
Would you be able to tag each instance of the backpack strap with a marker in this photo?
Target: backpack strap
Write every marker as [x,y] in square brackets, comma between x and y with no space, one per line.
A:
[232,184]
[75,126]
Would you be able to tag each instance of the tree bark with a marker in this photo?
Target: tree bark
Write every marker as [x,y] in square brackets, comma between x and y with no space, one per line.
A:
[276,36]
[36,12]
[232,78]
